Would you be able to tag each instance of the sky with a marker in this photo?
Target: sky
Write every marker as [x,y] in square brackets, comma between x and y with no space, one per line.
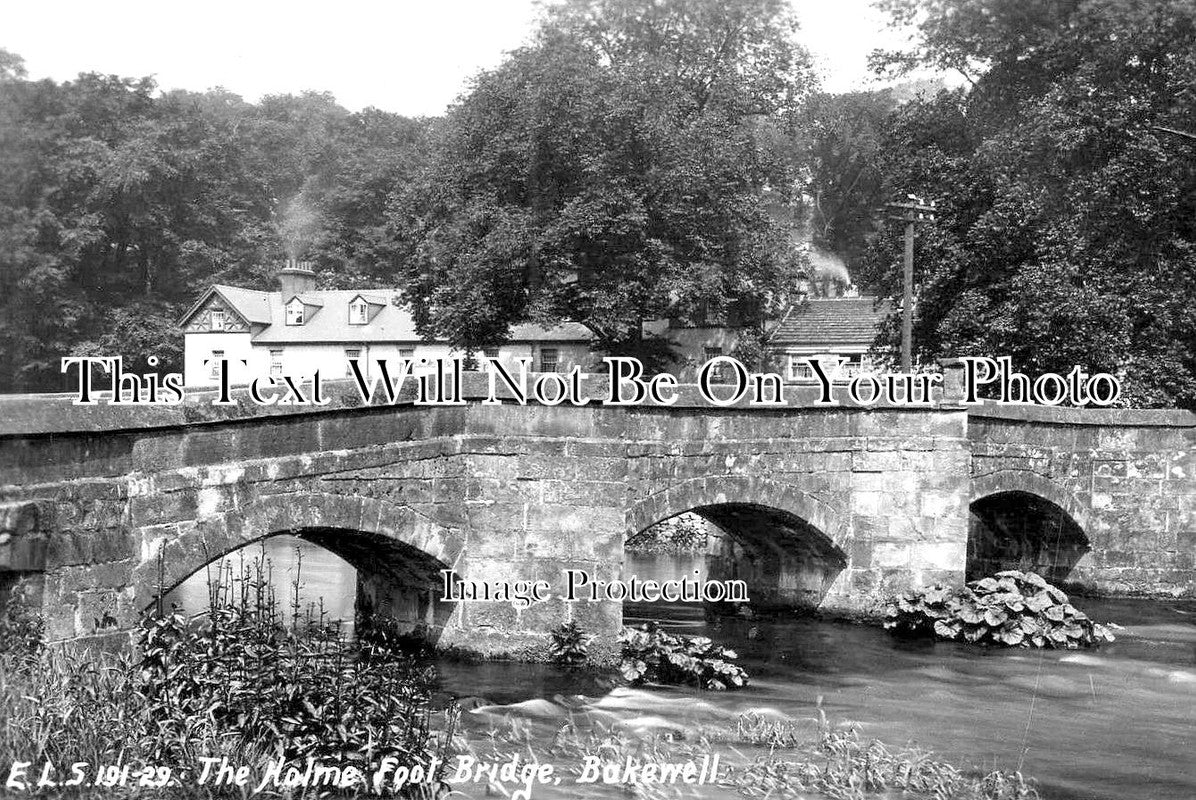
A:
[408,57]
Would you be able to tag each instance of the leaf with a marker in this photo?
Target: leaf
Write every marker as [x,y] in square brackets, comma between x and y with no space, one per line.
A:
[995,618]
[1012,636]
[984,585]
[1039,602]
[971,615]
[1035,580]
[947,630]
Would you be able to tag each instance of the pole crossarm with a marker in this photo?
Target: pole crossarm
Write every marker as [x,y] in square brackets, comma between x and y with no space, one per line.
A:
[916,210]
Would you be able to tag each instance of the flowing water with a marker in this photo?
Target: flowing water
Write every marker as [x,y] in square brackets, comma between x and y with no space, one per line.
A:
[1114,723]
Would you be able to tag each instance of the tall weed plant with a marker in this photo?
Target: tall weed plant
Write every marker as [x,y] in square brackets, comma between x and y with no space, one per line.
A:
[246,680]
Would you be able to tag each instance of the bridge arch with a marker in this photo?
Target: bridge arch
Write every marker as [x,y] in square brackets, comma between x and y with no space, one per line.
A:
[397,552]
[1022,520]
[1028,482]
[787,546]
[702,492]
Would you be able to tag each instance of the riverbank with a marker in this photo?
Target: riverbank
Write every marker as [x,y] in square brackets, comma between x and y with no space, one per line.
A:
[256,703]
[84,727]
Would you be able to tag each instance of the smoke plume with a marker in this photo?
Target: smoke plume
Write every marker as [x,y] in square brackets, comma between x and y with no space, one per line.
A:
[828,265]
[298,226]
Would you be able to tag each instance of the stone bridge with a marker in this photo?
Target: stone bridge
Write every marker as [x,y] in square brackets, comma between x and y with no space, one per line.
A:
[836,508]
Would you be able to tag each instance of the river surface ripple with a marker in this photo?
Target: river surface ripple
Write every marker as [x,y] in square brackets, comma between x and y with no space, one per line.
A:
[1114,723]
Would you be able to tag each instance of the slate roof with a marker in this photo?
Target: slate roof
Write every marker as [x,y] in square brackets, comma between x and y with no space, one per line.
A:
[252,305]
[329,322]
[831,321]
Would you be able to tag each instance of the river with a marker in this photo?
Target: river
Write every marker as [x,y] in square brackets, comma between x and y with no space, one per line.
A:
[1114,723]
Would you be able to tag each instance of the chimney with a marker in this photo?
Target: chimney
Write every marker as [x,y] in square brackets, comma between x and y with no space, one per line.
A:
[295,278]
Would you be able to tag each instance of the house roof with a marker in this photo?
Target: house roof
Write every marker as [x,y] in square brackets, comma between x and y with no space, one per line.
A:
[832,321]
[372,299]
[252,305]
[391,323]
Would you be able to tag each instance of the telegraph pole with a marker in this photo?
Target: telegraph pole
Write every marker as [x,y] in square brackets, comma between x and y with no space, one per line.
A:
[914,211]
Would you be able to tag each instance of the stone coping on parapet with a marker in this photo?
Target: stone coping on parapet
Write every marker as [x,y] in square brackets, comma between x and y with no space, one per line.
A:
[46,414]
[1110,417]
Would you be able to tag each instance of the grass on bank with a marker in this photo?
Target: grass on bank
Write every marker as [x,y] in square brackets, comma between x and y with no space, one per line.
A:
[256,683]
[779,759]
[248,682]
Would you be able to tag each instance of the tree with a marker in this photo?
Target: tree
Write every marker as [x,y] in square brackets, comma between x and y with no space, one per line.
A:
[1068,217]
[843,136]
[609,173]
[120,204]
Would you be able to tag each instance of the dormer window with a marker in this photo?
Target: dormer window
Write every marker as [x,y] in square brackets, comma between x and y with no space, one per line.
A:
[218,319]
[295,312]
[359,312]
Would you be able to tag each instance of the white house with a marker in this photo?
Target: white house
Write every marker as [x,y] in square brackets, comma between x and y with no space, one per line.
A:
[300,329]
[826,328]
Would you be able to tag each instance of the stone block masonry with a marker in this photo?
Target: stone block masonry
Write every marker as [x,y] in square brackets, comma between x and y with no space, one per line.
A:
[1123,481]
[834,508]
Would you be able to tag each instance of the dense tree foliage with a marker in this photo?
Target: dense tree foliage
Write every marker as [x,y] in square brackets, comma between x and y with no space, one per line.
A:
[637,161]
[119,204]
[842,139]
[613,171]
[1068,204]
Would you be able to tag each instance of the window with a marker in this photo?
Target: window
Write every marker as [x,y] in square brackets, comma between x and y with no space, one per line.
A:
[359,312]
[852,367]
[295,312]
[275,363]
[218,319]
[407,353]
[549,357]
[351,354]
[716,372]
[214,364]
[490,352]
[799,368]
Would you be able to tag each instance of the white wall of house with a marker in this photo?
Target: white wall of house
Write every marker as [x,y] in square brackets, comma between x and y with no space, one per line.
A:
[332,358]
[792,361]
[199,346]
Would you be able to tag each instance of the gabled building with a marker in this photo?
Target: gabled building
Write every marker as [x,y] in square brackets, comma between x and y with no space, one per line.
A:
[830,319]
[300,329]
[827,327]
